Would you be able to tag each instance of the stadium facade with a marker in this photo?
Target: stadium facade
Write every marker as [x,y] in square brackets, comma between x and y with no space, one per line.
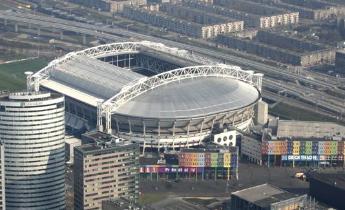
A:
[156,95]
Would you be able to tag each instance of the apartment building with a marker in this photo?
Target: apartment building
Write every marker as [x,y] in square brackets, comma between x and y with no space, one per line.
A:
[106,168]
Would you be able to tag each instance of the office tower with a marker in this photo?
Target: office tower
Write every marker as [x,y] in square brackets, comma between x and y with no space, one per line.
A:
[2,178]
[32,128]
[105,169]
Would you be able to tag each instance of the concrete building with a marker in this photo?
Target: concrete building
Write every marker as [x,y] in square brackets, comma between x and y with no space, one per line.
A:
[251,149]
[70,143]
[282,48]
[225,138]
[267,197]
[217,24]
[291,143]
[306,129]
[32,128]
[185,21]
[108,168]
[2,177]
[312,9]
[112,6]
[262,113]
[328,188]
[253,14]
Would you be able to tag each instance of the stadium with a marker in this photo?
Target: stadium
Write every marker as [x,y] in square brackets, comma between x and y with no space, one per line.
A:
[148,92]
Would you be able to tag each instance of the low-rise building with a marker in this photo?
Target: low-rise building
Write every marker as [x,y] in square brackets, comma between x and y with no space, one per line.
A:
[226,138]
[251,149]
[185,21]
[253,14]
[105,169]
[199,164]
[281,48]
[267,197]
[112,6]
[296,143]
[312,9]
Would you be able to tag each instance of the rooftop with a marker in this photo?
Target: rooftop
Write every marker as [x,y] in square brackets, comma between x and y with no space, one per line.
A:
[307,129]
[264,195]
[208,150]
[96,77]
[72,140]
[104,143]
[192,98]
[27,96]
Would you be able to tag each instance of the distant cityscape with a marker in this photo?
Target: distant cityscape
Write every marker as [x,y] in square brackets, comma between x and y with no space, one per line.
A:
[172,104]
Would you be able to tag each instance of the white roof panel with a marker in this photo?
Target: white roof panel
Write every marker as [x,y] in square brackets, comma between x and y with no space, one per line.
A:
[94,76]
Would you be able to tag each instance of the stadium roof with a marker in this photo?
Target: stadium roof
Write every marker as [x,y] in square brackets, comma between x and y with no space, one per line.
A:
[192,98]
[94,76]
[187,92]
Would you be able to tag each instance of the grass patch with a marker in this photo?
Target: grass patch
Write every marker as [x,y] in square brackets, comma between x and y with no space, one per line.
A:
[12,74]
[11,56]
[149,198]
[288,112]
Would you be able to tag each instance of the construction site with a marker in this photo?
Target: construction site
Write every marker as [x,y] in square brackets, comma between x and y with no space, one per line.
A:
[281,48]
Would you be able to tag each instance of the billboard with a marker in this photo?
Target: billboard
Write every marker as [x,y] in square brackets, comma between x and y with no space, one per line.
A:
[312,157]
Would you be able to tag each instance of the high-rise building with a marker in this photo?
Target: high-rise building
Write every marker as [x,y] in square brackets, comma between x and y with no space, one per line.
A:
[2,178]
[32,128]
[105,169]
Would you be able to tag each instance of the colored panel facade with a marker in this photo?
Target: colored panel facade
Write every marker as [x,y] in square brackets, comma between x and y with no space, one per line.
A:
[298,148]
[224,159]
[308,148]
[214,159]
[227,160]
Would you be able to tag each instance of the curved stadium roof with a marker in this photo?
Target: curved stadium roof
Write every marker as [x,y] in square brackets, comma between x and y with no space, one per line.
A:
[192,98]
[209,90]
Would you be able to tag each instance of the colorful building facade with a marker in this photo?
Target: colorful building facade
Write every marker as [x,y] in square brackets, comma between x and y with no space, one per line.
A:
[198,164]
[305,152]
